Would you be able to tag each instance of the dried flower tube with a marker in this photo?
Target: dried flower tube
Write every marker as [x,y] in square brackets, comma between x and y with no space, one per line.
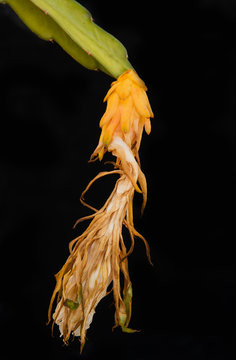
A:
[99,255]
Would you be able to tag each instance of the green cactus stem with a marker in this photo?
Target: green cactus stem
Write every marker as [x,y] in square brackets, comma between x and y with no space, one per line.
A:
[72,27]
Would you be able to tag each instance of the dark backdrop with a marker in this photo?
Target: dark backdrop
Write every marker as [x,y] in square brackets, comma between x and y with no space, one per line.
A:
[50,109]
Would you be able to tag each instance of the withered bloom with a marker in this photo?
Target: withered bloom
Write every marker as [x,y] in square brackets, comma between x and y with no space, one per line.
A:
[99,256]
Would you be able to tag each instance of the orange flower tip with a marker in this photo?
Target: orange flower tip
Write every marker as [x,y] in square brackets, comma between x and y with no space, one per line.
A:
[137,188]
[147,126]
[150,111]
[100,154]
[82,346]
[103,120]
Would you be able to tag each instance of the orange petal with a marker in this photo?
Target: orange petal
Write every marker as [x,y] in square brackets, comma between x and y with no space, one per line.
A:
[126,111]
[148,106]
[147,126]
[140,101]
[100,154]
[124,88]
[110,91]
[110,128]
[132,75]
[112,105]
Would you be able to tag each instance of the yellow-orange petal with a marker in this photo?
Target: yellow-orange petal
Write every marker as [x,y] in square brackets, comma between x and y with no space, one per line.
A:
[100,154]
[140,101]
[133,76]
[147,126]
[110,91]
[112,104]
[126,111]
[148,105]
[124,89]
[110,128]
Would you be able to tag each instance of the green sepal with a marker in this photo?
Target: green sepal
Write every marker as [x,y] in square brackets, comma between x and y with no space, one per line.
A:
[128,330]
[71,26]
[125,310]
[123,324]
[128,302]
[74,304]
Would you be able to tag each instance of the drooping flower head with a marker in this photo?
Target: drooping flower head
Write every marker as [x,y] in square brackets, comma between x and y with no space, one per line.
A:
[99,256]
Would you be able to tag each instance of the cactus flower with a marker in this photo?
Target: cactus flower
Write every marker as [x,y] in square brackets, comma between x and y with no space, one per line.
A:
[98,260]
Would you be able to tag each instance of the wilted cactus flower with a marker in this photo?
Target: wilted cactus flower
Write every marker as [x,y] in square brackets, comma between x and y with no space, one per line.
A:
[98,258]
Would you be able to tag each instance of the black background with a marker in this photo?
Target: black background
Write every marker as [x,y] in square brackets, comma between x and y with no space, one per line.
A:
[50,110]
